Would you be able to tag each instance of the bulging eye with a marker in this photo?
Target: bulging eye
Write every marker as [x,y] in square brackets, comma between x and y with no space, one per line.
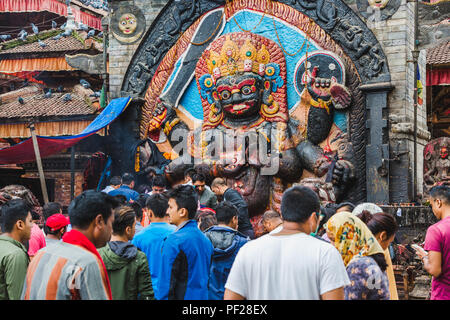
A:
[208,83]
[131,22]
[225,95]
[124,22]
[246,90]
[270,71]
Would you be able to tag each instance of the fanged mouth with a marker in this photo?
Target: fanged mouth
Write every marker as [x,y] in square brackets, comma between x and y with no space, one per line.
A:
[237,108]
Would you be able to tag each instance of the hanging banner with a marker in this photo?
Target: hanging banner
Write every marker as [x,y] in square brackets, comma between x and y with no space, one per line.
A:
[23,152]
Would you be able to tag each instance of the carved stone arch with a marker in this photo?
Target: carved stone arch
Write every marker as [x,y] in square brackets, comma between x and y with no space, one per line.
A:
[369,79]
[333,16]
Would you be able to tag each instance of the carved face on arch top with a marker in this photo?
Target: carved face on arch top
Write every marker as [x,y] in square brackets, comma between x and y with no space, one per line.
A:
[378,3]
[127,23]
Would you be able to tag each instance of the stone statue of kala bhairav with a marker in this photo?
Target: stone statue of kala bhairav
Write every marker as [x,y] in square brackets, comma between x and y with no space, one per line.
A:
[241,78]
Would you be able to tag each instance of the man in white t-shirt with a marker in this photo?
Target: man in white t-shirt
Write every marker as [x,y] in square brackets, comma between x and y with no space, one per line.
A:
[290,264]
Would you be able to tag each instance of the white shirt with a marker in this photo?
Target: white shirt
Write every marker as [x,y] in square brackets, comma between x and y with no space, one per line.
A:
[277,229]
[287,267]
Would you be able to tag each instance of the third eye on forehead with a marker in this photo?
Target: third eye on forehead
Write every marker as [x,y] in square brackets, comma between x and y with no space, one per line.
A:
[242,81]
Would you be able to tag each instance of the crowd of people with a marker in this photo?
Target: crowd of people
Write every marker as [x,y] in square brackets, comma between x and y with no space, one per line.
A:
[194,241]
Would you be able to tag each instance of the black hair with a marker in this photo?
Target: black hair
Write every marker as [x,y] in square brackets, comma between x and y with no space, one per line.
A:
[159,181]
[198,177]
[127,178]
[124,216]
[84,208]
[298,203]
[327,211]
[379,222]
[143,188]
[442,192]
[158,203]
[115,181]
[206,219]
[225,211]
[137,209]
[48,230]
[50,208]
[186,197]
[35,215]
[344,204]
[13,211]
[120,198]
[142,199]
[189,172]
[380,260]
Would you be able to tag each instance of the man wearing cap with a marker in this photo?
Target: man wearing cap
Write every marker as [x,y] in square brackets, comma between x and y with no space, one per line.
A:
[55,227]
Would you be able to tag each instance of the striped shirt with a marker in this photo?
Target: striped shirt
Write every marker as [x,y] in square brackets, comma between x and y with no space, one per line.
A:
[65,271]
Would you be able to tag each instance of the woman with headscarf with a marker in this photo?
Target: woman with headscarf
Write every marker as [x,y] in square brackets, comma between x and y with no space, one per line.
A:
[362,255]
[383,226]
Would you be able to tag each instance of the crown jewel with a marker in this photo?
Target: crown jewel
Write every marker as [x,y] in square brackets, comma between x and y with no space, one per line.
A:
[232,59]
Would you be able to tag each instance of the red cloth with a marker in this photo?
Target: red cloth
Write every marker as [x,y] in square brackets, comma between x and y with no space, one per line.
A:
[53,6]
[37,240]
[437,77]
[77,238]
[57,221]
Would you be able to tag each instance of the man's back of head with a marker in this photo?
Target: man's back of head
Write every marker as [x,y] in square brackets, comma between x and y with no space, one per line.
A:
[218,186]
[188,174]
[127,179]
[227,214]
[85,208]
[298,203]
[158,204]
[271,220]
[51,208]
[115,181]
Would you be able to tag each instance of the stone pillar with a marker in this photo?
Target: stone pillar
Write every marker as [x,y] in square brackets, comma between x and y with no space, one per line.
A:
[377,149]
[396,36]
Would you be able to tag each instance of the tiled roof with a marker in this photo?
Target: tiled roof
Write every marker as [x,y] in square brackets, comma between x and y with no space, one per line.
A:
[36,105]
[64,44]
[439,54]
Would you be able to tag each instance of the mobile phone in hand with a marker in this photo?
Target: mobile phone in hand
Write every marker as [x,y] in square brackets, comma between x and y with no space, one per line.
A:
[419,248]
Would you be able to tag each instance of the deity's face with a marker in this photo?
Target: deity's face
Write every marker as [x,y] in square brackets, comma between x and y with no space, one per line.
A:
[240,95]
[127,23]
[378,3]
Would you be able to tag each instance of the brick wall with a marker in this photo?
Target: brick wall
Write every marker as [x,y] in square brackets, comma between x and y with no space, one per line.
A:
[62,184]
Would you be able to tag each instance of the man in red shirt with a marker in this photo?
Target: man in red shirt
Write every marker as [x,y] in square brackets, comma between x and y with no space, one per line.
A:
[437,242]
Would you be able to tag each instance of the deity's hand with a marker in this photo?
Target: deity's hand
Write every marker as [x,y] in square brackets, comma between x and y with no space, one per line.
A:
[341,96]
[343,174]
[162,113]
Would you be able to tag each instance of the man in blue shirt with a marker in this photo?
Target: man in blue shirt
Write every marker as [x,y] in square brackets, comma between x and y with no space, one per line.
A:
[186,253]
[126,189]
[150,239]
